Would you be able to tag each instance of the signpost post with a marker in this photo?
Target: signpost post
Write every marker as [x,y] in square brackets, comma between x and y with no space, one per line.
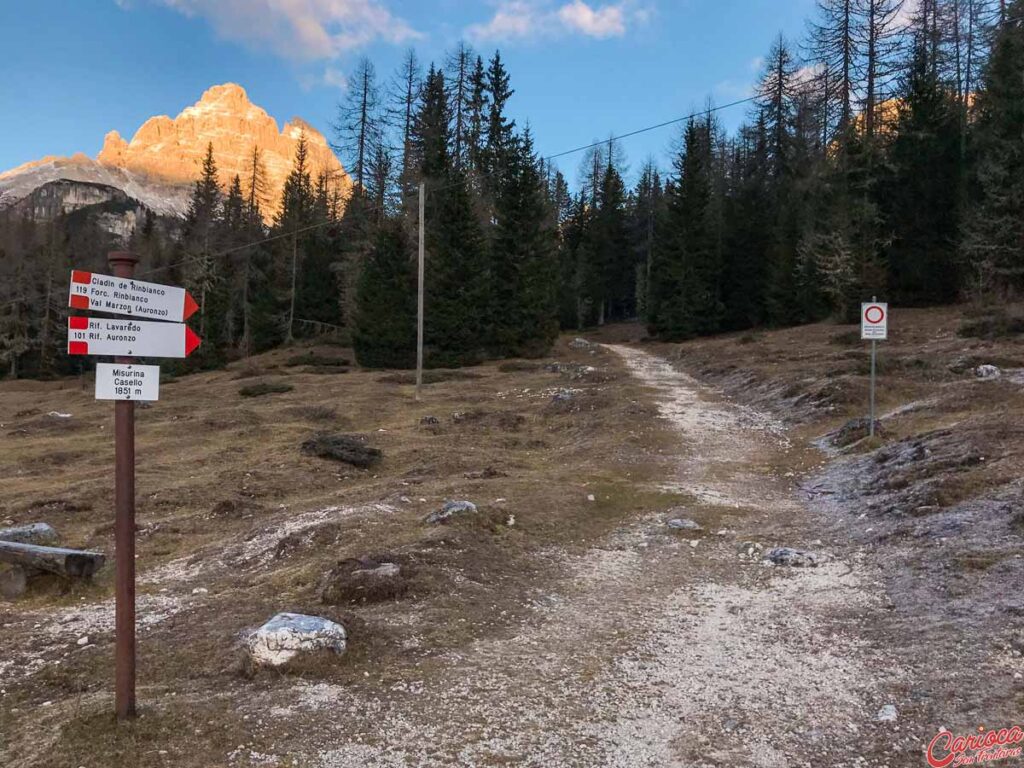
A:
[874,327]
[123,265]
[125,383]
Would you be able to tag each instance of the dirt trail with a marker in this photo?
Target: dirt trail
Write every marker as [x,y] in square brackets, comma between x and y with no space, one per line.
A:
[657,650]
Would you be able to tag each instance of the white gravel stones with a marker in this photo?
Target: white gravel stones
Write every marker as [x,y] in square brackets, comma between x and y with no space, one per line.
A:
[987,372]
[887,714]
[793,558]
[683,524]
[450,510]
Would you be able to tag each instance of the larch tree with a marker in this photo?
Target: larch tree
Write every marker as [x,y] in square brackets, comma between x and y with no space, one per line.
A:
[358,121]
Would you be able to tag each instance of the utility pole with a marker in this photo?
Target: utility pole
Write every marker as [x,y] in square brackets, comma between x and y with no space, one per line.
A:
[123,265]
[419,291]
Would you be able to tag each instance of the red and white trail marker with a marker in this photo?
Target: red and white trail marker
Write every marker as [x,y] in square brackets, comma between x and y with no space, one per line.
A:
[130,338]
[121,296]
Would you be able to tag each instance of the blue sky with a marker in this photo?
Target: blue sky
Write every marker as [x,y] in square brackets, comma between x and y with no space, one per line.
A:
[582,69]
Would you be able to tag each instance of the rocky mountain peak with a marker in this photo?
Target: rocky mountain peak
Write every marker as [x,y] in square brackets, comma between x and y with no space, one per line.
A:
[166,153]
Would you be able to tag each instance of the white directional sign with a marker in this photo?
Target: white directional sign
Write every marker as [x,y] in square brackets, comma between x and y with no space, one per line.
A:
[120,296]
[129,338]
[874,321]
[127,382]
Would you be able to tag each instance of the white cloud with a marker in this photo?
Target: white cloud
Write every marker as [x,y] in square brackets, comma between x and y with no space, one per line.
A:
[335,78]
[535,19]
[609,21]
[513,20]
[309,30]
[808,73]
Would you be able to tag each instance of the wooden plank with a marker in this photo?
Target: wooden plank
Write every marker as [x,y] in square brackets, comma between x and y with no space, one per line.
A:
[66,562]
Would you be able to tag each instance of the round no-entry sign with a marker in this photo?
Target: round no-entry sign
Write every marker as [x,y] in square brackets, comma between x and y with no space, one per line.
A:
[874,321]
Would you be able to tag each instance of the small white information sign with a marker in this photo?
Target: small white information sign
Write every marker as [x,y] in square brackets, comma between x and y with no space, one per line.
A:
[127,382]
[874,321]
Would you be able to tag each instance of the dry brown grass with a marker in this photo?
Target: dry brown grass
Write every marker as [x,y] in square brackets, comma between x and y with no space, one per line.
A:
[214,470]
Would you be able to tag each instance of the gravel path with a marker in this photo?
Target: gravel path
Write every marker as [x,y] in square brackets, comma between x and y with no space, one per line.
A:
[659,650]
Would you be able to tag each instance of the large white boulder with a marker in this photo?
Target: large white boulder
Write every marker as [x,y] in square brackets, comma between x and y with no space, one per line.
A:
[289,635]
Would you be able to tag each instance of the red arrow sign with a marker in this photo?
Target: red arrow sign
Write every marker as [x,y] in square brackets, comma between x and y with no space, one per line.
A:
[130,338]
[121,296]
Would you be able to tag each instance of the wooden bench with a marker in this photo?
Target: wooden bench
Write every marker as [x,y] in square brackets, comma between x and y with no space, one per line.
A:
[72,563]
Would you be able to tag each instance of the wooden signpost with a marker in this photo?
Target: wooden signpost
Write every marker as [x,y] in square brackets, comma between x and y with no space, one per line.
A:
[874,327]
[125,383]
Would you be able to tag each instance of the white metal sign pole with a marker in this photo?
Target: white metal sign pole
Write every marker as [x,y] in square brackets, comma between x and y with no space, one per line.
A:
[419,291]
[874,358]
[874,327]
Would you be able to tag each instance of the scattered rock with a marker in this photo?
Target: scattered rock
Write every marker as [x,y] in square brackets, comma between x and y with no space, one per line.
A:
[563,401]
[684,524]
[450,510]
[364,580]
[854,431]
[887,714]
[200,591]
[574,371]
[430,421]
[41,534]
[988,372]
[579,343]
[792,558]
[749,550]
[345,448]
[58,415]
[289,635]
[83,641]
